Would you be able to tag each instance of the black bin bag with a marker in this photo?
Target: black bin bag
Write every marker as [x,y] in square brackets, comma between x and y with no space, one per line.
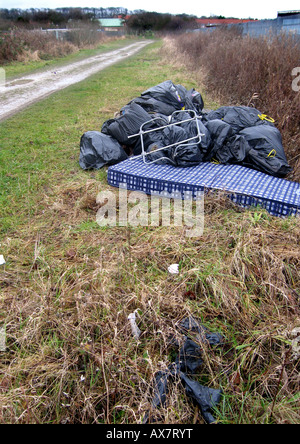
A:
[98,149]
[163,98]
[266,151]
[220,133]
[165,92]
[128,124]
[191,130]
[240,117]
[187,154]
[234,151]
[155,137]
[192,99]
[151,105]
[180,155]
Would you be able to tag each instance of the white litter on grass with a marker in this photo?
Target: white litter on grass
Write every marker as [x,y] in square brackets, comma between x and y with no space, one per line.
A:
[2,260]
[173,269]
[134,328]
[2,338]
[296,343]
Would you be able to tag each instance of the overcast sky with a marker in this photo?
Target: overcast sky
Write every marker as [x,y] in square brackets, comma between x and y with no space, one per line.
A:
[256,8]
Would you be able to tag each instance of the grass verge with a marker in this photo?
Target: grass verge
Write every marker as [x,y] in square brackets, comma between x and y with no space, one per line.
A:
[68,285]
[18,68]
[244,70]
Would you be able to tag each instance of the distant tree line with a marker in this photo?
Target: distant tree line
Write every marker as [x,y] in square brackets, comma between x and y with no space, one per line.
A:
[138,21]
[142,22]
[58,16]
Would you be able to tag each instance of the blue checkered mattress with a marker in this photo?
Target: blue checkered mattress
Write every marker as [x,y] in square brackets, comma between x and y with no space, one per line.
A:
[245,186]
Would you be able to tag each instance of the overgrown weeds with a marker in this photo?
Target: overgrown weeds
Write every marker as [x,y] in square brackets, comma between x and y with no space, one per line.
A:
[243,70]
[67,291]
[68,284]
[23,45]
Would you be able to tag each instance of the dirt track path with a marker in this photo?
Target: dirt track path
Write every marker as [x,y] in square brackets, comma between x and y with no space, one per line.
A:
[19,94]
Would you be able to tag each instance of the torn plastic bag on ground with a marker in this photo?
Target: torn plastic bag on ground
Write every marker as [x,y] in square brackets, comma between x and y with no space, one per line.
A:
[190,324]
[187,363]
[266,151]
[98,149]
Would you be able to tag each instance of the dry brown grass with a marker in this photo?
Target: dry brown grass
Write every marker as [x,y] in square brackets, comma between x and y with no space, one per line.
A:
[248,71]
[22,45]
[71,290]
[32,45]
[69,285]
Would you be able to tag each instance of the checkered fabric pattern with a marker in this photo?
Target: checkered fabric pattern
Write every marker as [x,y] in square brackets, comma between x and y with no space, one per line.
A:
[245,186]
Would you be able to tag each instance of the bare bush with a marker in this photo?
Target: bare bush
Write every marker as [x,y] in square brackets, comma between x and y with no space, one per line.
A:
[250,71]
[85,35]
[21,44]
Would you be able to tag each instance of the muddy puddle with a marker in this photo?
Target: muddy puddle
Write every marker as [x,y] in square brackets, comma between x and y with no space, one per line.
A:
[19,83]
[23,92]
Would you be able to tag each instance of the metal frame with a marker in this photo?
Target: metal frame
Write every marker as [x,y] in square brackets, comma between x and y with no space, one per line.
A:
[196,139]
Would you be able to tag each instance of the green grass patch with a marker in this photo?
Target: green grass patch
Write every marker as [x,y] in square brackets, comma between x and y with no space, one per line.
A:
[17,69]
[68,285]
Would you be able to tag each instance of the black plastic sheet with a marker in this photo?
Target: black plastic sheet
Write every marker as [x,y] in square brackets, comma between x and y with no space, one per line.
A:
[187,363]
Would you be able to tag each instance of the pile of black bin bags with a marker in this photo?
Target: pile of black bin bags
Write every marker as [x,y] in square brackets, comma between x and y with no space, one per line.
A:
[231,134]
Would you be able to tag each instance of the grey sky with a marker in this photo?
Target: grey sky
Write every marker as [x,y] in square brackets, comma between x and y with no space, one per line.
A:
[255,8]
